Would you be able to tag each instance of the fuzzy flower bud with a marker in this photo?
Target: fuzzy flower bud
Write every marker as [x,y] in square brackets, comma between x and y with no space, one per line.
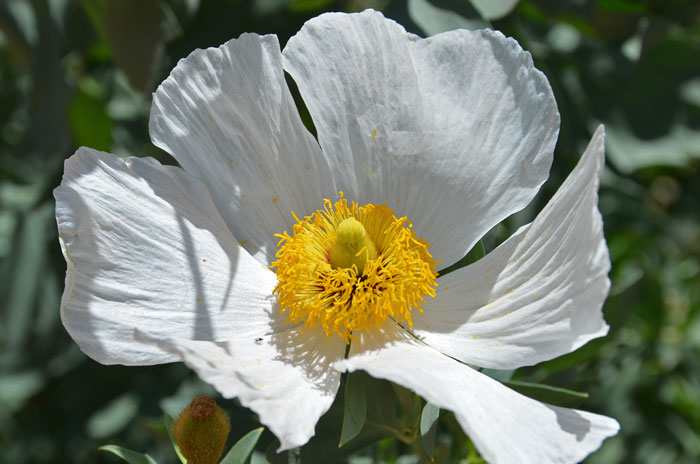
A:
[201,431]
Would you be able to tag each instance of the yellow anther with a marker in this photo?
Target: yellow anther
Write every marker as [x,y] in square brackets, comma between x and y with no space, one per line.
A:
[352,247]
[349,267]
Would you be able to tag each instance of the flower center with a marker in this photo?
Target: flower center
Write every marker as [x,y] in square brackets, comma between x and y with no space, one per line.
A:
[349,267]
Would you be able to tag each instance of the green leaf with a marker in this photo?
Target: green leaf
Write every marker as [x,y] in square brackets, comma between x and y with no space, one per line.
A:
[428,426]
[305,6]
[411,404]
[17,388]
[494,9]
[355,411]
[18,26]
[240,452]
[323,447]
[88,120]
[188,389]
[45,136]
[184,9]
[30,258]
[499,374]
[547,394]
[622,6]
[475,254]
[136,32]
[269,7]
[690,92]
[293,456]
[114,417]
[169,427]
[436,17]
[8,226]
[629,153]
[132,457]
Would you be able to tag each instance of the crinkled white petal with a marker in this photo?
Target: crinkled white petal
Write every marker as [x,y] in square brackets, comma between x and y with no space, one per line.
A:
[286,378]
[506,427]
[227,117]
[456,131]
[538,295]
[147,249]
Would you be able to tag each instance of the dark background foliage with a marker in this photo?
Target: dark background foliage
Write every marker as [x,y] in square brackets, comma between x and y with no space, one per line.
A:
[81,72]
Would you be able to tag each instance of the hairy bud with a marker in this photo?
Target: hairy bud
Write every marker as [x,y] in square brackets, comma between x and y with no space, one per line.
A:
[201,431]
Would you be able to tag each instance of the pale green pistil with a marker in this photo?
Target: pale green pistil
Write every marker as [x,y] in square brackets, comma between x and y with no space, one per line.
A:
[352,246]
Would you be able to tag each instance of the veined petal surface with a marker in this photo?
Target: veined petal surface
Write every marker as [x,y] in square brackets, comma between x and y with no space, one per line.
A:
[286,378]
[455,132]
[506,427]
[227,116]
[538,295]
[147,249]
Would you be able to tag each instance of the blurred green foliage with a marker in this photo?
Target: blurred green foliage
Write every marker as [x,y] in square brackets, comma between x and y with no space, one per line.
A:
[81,72]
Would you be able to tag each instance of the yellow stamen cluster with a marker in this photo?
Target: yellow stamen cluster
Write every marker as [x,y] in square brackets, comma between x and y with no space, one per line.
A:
[349,267]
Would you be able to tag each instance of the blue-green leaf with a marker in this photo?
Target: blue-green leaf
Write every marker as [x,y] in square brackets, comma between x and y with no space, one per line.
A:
[16,388]
[114,417]
[88,120]
[547,394]
[381,422]
[494,9]
[132,457]
[628,152]
[240,452]
[303,6]
[428,426]
[355,412]
[29,255]
[622,6]
[475,254]
[434,19]
[169,427]
[136,32]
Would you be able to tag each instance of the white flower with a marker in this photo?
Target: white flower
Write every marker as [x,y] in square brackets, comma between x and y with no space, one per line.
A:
[453,133]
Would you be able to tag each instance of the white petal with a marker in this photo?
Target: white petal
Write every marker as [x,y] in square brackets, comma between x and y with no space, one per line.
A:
[505,426]
[286,378]
[227,117]
[538,295]
[456,131]
[146,248]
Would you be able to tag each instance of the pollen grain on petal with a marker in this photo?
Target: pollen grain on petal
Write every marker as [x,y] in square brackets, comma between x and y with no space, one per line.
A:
[350,267]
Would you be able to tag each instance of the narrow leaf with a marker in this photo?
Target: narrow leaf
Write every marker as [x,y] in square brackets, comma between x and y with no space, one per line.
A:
[240,452]
[132,457]
[88,120]
[475,254]
[114,417]
[169,427]
[381,422]
[137,32]
[494,9]
[499,374]
[547,394]
[428,426]
[622,6]
[355,412]
[435,17]
[294,456]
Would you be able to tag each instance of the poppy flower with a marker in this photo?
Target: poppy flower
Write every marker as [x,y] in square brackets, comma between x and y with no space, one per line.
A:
[270,250]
